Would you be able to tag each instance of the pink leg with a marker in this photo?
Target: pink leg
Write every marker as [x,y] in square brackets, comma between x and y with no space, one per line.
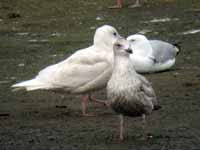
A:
[143,126]
[121,137]
[102,102]
[137,4]
[143,121]
[144,136]
[84,106]
[119,4]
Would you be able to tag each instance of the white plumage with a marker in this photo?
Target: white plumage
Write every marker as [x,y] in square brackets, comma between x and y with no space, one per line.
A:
[129,93]
[152,55]
[86,70]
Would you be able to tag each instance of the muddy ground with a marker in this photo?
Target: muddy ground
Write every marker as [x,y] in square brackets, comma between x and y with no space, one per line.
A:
[36,33]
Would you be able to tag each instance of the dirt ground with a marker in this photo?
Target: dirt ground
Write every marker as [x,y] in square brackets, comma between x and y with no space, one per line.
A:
[36,33]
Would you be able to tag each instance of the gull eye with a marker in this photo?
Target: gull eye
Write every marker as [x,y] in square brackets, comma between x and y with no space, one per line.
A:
[118,45]
[132,40]
[115,34]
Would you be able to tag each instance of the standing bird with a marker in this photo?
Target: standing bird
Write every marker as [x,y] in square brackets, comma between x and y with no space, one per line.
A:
[130,94]
[152,55]
[119,4]
[85,71]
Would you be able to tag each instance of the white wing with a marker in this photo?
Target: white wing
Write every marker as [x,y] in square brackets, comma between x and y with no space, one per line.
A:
[85,70]
[76,71]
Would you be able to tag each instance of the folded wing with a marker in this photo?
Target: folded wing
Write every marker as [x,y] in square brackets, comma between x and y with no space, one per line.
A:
[77,71]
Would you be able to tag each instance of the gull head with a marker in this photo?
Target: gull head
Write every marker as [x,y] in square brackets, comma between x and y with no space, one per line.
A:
[105,36]
[122,47]
[136,38]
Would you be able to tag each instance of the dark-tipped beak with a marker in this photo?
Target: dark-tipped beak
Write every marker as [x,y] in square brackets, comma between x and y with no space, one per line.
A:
[129,51]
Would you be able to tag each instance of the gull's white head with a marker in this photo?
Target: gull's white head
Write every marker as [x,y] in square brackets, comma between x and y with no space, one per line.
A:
[106,36]
[122,47]
[136,38]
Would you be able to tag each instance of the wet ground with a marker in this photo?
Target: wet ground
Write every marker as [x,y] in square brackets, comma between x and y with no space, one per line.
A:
[34,34]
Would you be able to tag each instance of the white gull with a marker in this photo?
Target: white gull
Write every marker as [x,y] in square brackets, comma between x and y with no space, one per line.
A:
[152,55]
[85,71]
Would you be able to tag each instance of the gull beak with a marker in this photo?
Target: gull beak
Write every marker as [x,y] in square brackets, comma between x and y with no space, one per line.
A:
[129,51]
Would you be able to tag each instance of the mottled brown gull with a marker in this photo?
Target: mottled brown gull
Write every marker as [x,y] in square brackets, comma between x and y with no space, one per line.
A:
[130,94]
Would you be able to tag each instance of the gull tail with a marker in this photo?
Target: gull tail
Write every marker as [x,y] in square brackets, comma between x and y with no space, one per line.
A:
[157,107]
[178,46]
[29,85]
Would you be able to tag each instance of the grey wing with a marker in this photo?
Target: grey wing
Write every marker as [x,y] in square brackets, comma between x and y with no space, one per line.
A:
[162,51]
